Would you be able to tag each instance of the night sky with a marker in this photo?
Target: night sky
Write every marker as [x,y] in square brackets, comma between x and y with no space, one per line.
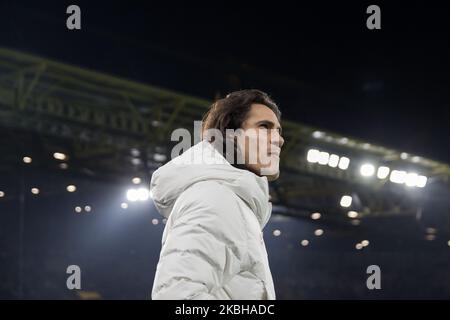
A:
[319,62]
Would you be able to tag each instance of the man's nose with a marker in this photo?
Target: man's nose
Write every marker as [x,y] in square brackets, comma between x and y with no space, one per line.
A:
[277,139]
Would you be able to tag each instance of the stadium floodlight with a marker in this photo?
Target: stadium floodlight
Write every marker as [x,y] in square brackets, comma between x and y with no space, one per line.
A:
[344,162]
[318,134]
[398,176]
[421,181]
[383,172]
[323,157]
[333,161]
[313,156]
[352,214]
[132,195]
[71,188]
[276,233]
[316,216]
[159,157]
[27,159]
[367,170]
[346,201]
[141,194]
[411,179]
[59,156]
[318,232]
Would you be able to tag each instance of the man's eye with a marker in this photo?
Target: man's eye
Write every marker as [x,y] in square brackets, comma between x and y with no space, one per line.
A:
[264,126]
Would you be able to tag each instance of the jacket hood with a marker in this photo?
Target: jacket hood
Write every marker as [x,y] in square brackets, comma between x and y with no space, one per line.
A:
[203,162]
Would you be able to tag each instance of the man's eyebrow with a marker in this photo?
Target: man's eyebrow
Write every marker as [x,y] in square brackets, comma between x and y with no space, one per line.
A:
[270,123]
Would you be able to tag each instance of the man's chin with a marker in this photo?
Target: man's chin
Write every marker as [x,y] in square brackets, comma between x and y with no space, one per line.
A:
[274,176]
[271,173]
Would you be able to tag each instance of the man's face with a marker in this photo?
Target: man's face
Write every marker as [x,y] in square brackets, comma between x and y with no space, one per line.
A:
[263,142]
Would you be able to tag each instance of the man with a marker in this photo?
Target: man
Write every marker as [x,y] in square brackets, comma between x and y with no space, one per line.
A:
[216,209]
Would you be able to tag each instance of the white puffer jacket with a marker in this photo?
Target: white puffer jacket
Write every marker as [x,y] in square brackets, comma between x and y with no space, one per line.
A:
[212,245]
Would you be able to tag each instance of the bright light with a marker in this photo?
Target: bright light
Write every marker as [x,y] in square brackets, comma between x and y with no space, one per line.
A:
[367,170]
[448,243]
[398,176]
[155,221]
[136,180]
[318,134]
[430,237]
[78,209]
[27,159]
[365,243]
[323,157]
[159,157]
[63,166]
[359,246]
[316,216]
[59,156]
[346,201]
[383,172]
[411,179]
[333,161]
[304,243]
[343,140]
[87,208]
[404,155]
[136,161]
[318,232]
[124,205]
[313,156]
[344,163]
[34,190]
[71,188]
[352,214]
[2,194]
[143,194]
[421,181]
[132,195]
[276,232]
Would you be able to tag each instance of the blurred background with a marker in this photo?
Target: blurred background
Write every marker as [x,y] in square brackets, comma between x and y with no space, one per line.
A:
[86,117]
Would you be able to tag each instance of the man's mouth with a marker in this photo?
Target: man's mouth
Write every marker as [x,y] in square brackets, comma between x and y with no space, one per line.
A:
[275,152]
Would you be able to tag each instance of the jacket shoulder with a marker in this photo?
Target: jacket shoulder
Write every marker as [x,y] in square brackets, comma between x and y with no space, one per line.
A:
[210,194]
